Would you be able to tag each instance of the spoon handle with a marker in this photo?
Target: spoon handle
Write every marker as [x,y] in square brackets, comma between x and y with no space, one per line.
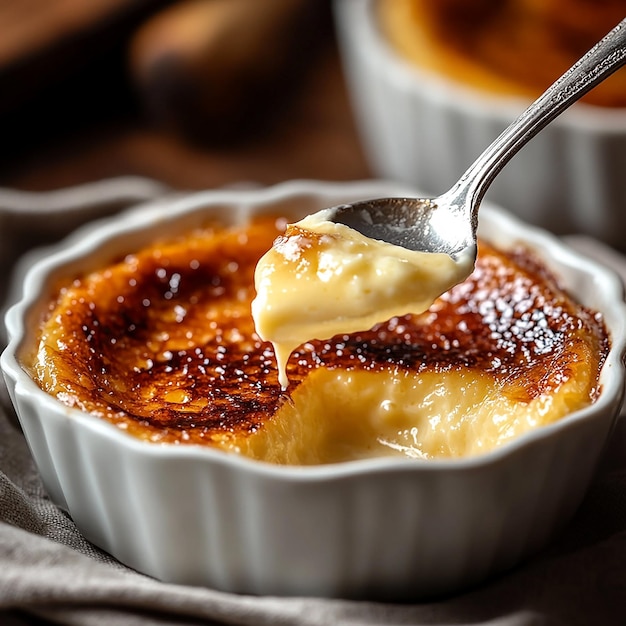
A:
[603,59]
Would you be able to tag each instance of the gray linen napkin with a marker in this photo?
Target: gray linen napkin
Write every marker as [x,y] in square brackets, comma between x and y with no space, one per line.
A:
[50,574]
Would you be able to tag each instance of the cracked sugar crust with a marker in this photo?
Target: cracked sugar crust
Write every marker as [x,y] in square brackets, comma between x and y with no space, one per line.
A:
[162,342]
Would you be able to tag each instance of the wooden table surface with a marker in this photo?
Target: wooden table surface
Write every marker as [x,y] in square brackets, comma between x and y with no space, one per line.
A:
[91,125]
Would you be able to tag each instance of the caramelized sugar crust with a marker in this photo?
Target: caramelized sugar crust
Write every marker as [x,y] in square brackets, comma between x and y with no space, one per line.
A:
[162,342]
[517,47]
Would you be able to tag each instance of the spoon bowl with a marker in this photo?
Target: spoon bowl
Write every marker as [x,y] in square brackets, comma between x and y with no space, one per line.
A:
[420,224]
[448,223]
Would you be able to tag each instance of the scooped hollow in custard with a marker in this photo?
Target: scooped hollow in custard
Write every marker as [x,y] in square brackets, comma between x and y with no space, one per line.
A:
[161,343]
[323,278]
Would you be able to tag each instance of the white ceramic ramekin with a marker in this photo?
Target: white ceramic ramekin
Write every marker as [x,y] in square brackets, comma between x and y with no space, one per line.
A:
[425,130]
[381,528]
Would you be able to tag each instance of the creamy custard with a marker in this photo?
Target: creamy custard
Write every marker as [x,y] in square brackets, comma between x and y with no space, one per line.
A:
[322,278]
[161,343]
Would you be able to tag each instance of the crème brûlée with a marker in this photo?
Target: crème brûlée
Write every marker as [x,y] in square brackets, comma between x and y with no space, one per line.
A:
[162,344]
[504,47]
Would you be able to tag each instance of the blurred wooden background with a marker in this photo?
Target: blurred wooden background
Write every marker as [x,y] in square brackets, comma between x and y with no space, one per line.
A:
[196,93]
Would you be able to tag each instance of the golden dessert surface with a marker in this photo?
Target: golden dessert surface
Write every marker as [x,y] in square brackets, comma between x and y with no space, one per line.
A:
[162,344]
[508,47]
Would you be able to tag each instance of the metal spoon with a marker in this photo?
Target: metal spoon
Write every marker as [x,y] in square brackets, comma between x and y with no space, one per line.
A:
[448,223]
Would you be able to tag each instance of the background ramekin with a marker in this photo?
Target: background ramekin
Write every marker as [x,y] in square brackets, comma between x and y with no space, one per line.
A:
[381,528]
[425,130]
